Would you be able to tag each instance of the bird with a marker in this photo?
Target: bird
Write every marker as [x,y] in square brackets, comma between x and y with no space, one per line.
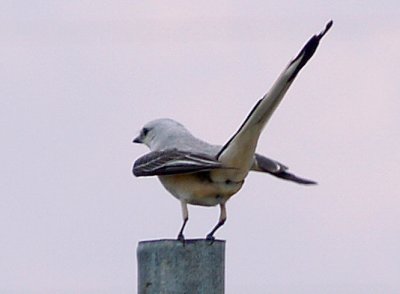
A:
[198,173]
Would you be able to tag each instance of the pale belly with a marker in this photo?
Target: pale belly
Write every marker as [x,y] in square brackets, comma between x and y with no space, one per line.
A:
[198,189]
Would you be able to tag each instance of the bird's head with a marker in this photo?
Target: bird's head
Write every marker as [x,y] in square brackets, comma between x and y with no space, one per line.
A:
[156,133]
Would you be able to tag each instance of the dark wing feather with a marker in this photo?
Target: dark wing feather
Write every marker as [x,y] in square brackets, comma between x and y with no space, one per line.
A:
[263,110]
[173,161]
[264,164]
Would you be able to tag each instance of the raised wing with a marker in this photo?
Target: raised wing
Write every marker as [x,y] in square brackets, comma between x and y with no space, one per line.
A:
[238,152]
[173,161]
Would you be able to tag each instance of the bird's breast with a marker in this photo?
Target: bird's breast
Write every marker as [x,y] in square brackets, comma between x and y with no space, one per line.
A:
[199,188]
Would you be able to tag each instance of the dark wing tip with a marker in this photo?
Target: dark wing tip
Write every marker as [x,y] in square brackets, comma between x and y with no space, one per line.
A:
[144,165]
[172,162]
[327,27]
[137,172]
[308,50]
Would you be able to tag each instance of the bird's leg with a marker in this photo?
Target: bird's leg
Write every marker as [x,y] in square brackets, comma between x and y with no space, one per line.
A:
[185,216]
[221,221]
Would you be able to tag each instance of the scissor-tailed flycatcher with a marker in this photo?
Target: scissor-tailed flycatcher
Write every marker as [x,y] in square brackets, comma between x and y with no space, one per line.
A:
[199,173]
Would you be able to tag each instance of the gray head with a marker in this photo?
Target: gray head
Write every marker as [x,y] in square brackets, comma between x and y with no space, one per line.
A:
[157,133]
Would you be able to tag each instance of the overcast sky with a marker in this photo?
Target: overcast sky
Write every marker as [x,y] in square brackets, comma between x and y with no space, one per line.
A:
[80,78]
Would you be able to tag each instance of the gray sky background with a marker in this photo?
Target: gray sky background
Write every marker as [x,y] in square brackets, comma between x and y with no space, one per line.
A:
[80,78]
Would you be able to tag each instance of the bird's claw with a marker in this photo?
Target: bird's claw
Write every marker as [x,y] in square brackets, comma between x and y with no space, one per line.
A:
[181,238]
[210,238]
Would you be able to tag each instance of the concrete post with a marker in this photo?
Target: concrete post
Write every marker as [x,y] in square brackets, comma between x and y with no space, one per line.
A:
[169,266]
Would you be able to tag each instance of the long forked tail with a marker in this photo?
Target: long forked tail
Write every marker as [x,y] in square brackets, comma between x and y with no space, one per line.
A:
[277,169]
[238,152]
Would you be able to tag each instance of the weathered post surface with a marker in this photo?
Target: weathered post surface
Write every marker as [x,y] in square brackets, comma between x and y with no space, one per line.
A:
[170,266]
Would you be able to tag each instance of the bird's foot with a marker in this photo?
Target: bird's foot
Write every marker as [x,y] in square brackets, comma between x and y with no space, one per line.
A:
[181,238]
[210,238]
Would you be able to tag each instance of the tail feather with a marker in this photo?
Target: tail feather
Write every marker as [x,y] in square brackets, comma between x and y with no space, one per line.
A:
[277,169]
[291,177]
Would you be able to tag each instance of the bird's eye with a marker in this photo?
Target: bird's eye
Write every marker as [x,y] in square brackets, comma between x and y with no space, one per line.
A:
[145,131]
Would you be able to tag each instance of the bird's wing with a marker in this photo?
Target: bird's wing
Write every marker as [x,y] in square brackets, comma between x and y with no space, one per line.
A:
[277,169]
[173,161]
[238,152]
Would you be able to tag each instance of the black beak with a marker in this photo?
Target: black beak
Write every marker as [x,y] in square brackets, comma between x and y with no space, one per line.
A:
[137,140]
